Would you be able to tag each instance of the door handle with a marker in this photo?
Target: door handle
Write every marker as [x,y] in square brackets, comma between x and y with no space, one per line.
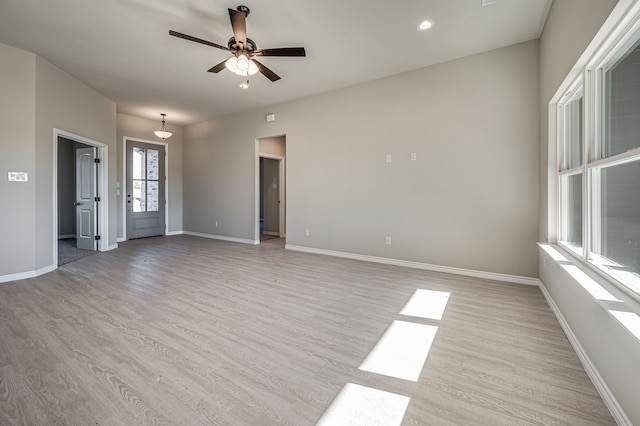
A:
[77,204]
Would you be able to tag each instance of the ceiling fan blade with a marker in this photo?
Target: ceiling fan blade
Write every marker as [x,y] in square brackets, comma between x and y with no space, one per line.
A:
[197,40]
[219,67]
[282,51]
[239,25]
[266,71]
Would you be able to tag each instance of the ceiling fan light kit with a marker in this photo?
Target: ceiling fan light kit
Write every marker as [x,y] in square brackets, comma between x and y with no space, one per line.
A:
[244,50]
[241,65]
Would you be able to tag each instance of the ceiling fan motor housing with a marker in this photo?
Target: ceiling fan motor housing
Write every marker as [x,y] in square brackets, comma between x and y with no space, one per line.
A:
[243,9]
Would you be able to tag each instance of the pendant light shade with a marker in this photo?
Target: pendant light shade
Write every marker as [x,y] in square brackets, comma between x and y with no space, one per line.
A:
[163,133]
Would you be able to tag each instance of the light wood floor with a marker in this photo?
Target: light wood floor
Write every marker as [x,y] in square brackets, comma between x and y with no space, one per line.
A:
[188,331]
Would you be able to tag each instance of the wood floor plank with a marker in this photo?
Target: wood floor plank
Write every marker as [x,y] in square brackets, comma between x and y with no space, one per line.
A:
[184,330]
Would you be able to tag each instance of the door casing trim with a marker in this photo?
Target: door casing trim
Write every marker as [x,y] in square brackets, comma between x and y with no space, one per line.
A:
[102,175]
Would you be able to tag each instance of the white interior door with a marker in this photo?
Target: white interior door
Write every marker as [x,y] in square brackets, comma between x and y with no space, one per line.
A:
[86,198]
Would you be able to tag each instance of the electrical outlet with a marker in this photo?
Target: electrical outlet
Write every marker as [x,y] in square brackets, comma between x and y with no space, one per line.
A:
[387,241]
[216,224]
[306,232]
[388,158]
[414,156]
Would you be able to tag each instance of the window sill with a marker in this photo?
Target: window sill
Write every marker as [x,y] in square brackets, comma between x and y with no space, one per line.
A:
[621,303]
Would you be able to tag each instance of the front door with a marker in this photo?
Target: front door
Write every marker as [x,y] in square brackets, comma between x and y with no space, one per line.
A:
[145,197]
[86,198]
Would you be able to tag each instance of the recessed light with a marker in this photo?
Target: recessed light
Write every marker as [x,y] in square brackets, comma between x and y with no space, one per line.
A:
[425,25]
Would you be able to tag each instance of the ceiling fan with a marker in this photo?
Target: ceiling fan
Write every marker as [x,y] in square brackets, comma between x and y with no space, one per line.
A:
[244,49]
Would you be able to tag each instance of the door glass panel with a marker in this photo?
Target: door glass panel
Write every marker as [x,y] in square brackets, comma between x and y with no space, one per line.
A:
[152,196]
[139,163]
[139,196]
[152,164]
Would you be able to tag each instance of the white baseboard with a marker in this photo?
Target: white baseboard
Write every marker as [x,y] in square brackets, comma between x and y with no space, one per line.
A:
[607,396]
[62,237]
[28,274]
[417,265]
[222,238]
[275,234]
[111,247]
[122,239]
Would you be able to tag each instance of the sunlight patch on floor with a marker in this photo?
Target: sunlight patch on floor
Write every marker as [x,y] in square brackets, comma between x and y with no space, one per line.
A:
[402,351]
[428,304]
[358,405]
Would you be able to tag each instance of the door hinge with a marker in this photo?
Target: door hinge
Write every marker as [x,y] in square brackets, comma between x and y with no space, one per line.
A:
[96,199]
[96,160]
[97,237]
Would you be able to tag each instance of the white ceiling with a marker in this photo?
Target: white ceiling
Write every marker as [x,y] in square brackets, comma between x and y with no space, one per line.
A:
[122,49]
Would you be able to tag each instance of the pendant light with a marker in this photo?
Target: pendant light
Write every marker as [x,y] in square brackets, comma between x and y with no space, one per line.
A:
[163,133]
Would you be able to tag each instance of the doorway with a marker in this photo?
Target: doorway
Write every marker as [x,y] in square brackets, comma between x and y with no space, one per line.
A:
[271,189]
[145,186]
[79,219]
[269,198]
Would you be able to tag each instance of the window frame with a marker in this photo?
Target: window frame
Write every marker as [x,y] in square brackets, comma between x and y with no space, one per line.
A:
[564,113]
[592,84]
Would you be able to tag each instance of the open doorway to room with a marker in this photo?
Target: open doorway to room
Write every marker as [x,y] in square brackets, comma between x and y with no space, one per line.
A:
[78,213]
[271,189]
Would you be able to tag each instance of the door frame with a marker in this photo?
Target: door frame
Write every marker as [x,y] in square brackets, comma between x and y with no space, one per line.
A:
[123,184]
[102,209]
[281,192]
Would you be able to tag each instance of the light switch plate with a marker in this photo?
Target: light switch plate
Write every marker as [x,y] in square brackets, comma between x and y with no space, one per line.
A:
[18,176]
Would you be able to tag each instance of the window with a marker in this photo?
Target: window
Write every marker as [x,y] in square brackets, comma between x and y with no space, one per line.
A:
[599,164]
[571,169]
[145,180]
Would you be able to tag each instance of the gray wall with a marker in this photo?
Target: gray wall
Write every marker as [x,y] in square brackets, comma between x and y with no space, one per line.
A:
[36,98]
[469,201]
[64,103]
[273,146]
[611,349]
[17,142]
[140,128]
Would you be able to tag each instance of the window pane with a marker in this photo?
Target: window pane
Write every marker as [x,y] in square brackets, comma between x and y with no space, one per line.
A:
[573,138]
[152,164]
[139,196]
[620,216]
[152,196]
[572,201]
[139,162]
[622,107]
